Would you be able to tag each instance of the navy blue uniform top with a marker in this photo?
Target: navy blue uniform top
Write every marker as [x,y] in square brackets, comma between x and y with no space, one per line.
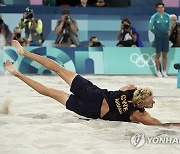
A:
[120,105]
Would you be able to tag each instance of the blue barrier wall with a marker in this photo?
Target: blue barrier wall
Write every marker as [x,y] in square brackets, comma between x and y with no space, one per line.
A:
[106,60]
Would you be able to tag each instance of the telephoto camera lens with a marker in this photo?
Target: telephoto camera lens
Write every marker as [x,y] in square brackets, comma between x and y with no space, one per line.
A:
[177,66]
[126,26]
[66,18]
[18,35]
[29,16]
[1,22]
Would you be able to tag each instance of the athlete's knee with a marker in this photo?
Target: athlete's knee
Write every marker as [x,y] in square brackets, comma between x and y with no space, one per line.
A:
[158,55]
[164,55]
[58,95]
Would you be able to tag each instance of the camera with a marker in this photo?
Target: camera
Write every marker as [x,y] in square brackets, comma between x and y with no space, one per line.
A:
[126,26]
[178,24]
[96,44]
[177,66]
[18,35]
[66,18]
[29,15]
[1,21]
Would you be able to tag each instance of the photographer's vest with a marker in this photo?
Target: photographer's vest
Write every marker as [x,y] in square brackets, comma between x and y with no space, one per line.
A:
[32,33]
[69,38]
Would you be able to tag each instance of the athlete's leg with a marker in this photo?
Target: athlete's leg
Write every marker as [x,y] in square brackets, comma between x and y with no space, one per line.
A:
[157,61]
[164,60]
[58,95]
[65,74]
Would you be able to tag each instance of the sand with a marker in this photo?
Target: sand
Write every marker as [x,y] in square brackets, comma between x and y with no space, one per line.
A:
[34,124]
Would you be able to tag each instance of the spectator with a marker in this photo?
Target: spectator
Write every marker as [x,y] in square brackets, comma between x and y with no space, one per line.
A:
[94,42]
[66,30]
[83,3]
[175,31]
[4,31]
[160,25]
[49,2]
[128,36]
[101,3]
[33,28]
[2,3]
[16,35]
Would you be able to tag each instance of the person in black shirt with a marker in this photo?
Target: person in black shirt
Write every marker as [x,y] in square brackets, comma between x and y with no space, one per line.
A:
[84,3]
[126,104]
[94,42]
[175,31]
[2,3]
[101,3]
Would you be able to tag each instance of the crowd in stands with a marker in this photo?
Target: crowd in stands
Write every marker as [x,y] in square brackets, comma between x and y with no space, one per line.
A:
[81,3]
[66,29]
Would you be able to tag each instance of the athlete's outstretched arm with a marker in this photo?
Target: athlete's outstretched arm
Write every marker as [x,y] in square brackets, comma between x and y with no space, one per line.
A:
[58,95]
[129,87]
[65,74]
[147,119]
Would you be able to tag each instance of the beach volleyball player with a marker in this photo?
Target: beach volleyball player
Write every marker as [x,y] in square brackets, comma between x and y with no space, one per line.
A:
[127,104]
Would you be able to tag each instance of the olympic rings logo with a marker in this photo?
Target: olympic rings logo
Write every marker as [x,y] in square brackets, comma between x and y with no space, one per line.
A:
[143,60]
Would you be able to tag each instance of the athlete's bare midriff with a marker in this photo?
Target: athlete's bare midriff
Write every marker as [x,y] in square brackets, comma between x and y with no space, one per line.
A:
[104,107]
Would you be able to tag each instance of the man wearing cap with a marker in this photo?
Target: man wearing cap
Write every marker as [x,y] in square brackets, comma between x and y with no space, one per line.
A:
[33,28]
[66,30]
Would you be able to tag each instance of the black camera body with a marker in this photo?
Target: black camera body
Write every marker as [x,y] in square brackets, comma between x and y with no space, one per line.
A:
[66,18]
[18,35]
[177,23]
[96,44]
[1,21]
[177,66]
[30,15]
[126,26]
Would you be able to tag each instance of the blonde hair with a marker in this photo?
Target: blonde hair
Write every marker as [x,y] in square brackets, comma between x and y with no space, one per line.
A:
[140,95]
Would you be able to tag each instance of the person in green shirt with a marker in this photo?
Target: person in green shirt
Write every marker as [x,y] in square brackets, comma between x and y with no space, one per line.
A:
[160,25]
[33,28]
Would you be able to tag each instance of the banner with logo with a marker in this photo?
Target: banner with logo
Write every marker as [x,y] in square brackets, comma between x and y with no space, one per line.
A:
[106,60]
[136,60]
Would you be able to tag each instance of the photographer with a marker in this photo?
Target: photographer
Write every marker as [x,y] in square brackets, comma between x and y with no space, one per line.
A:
[2,3]
[16,35]
[83,3]
[66,30]
[101,3]
[94,42]
[33,28]
[128,36]
[175,31]
[4,31]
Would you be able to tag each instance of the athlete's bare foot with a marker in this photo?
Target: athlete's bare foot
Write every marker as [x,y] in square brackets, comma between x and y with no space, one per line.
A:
[10,68]
[18,46]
